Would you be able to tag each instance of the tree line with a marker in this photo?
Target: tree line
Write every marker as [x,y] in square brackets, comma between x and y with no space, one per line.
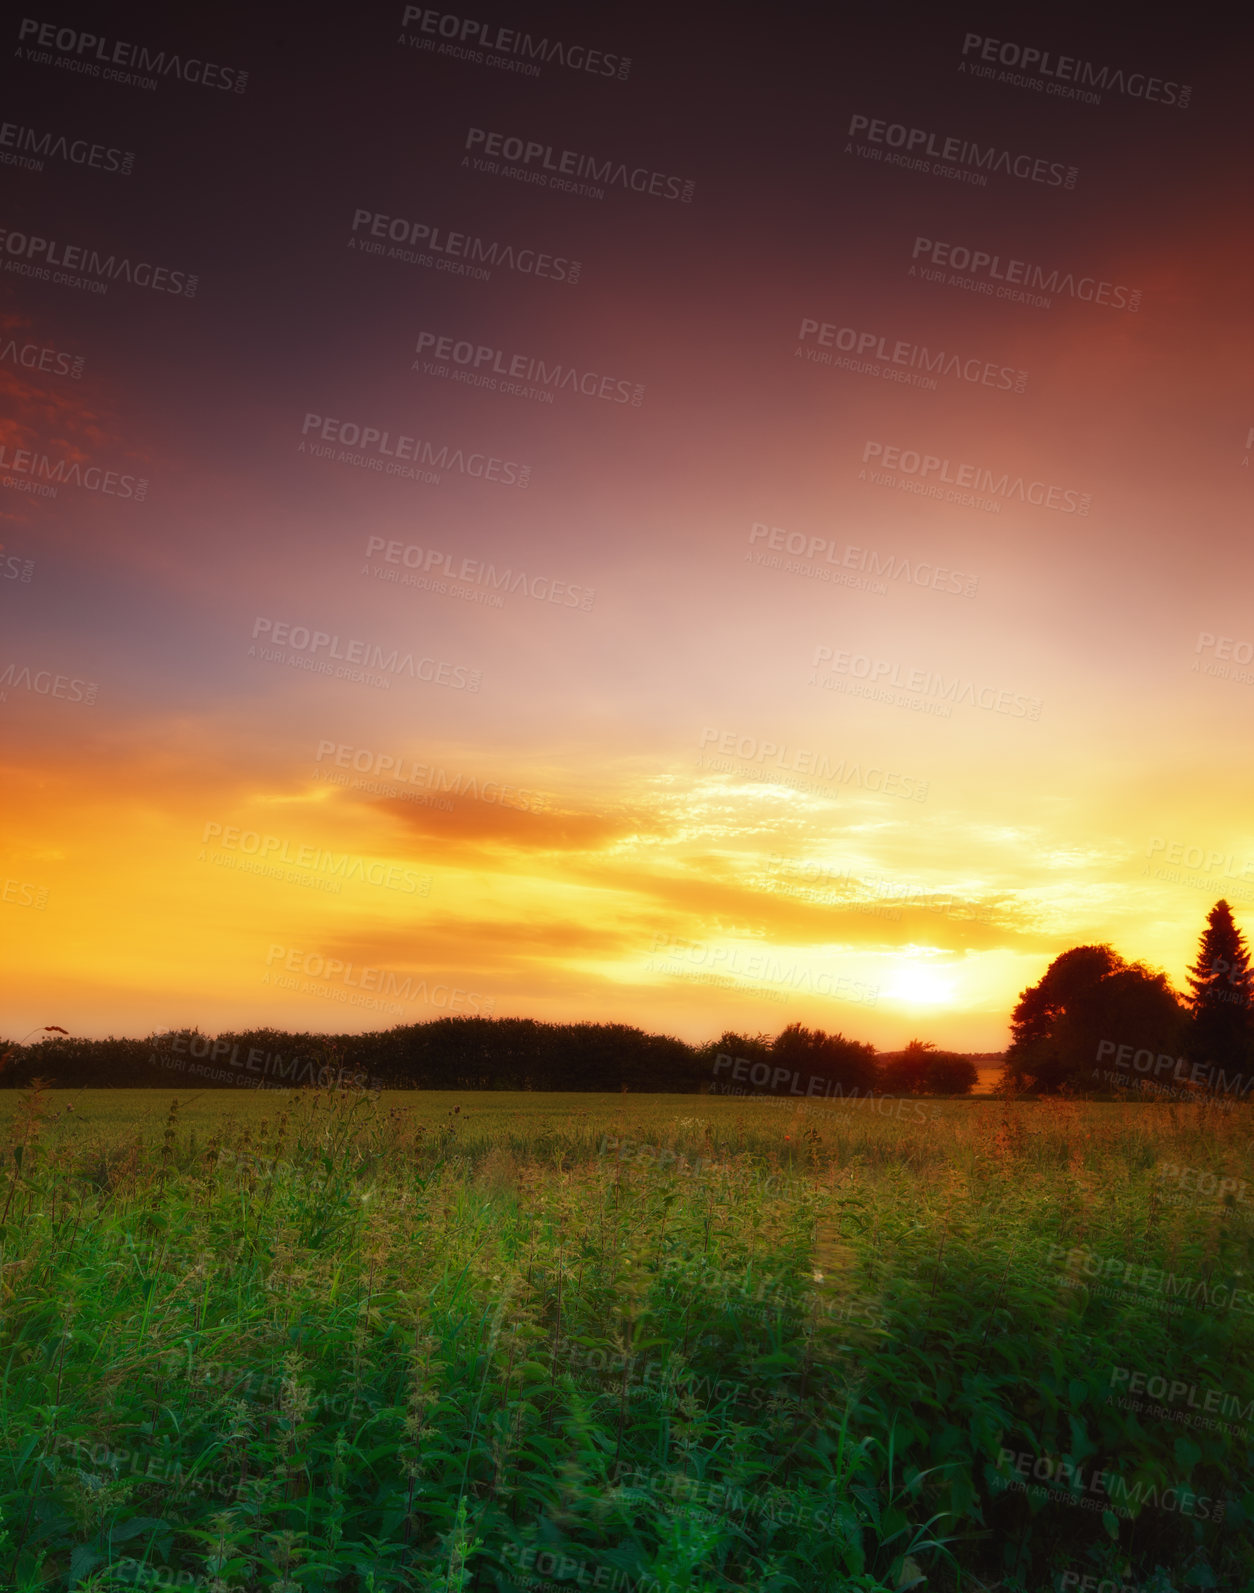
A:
[1093,1025]
[474,1053]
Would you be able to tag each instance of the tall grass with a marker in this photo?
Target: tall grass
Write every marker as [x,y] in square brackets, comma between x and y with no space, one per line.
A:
[329,1341]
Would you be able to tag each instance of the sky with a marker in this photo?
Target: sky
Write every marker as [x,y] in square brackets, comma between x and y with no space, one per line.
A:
[705,523]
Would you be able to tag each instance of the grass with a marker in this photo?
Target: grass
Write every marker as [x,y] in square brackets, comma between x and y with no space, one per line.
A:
[309,1341]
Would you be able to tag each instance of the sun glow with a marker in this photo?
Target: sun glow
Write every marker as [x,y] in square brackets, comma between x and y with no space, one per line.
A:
[917,985]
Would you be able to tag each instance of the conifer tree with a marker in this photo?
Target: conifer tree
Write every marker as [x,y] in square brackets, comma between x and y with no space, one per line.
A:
[1221,984]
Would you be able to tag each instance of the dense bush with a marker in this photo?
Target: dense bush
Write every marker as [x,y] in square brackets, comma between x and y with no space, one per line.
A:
[923,1070]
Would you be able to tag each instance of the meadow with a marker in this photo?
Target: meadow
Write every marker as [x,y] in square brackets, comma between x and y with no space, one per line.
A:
[324,1340]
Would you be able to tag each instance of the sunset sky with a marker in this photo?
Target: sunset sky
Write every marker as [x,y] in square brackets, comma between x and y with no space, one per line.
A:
[639,778]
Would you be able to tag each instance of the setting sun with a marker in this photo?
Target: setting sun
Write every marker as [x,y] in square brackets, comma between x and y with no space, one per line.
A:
[917,985]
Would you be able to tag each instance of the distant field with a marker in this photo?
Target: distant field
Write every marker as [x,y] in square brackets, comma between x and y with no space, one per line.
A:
[96,1110]
[317,1343]
[110,1113]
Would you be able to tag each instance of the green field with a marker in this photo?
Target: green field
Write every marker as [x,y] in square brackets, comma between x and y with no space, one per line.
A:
[299,1340]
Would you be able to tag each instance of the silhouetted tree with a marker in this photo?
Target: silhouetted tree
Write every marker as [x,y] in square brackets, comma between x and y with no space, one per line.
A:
[757,1047]
[1087,995]
[902,1072]
[951,1073]
[923,1070]
[830,1057]
[718,1075]
[1221,985]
